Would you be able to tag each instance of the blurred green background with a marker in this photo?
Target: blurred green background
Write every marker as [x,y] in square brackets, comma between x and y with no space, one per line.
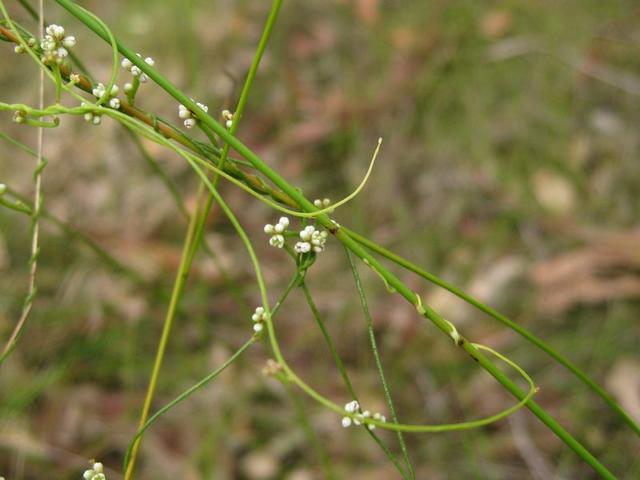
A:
[509,167]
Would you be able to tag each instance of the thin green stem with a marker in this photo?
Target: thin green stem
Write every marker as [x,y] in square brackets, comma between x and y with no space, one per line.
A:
[187,393]
[242,102]
[526,334]
[36,210]
[345,376]
[378,361]
[178,288]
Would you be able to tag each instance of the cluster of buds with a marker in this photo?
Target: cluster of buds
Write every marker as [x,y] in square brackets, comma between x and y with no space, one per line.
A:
[276,232]
[55,44]
[324,203]
[135,70]
[188,116]
[20,48]
[96,472]
[19,116]
[259,316]
[271,368]
[312,240]
[113,101]
[90,117]
[228,118]
[359,417]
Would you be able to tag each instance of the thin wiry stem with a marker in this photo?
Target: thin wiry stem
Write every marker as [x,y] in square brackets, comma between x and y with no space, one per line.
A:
[378,361]
[36,211]
[345,376]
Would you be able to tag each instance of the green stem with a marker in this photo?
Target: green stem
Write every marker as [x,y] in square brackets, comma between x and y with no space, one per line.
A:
[178,288]
[526,334]
[345,376]
[182,397]
[378,361]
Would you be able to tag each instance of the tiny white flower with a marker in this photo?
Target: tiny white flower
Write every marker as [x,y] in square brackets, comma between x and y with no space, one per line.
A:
[19,49]
[284,221]
[302,247]
[317,202]
[352,407]
[69,41]
[144,78]
[183,112]
[135,70]
[258,327]
[279,228]
[97,119]
[126,64]
[62,52]
[189,123]
[149,61]
[346,422]
[98,467]
[228,123]
[128,87]
[260,310]
[268,229]
[58,31]
[114,103]
[306,233]
[277,241]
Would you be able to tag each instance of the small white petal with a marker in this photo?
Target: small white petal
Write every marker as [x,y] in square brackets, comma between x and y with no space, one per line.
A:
[346,422]
[257,327]
[279,228]
[284,221]
[189,123]
[126,64]
[98,467]
[149,61]
[259,310]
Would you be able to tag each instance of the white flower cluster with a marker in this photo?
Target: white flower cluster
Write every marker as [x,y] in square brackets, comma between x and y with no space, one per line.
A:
[113,100]
[55,44]
[312,239]
[228,118]
[277,239]
[96,472]
[135,70]
[188,116]
[258,319]
[353,408]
